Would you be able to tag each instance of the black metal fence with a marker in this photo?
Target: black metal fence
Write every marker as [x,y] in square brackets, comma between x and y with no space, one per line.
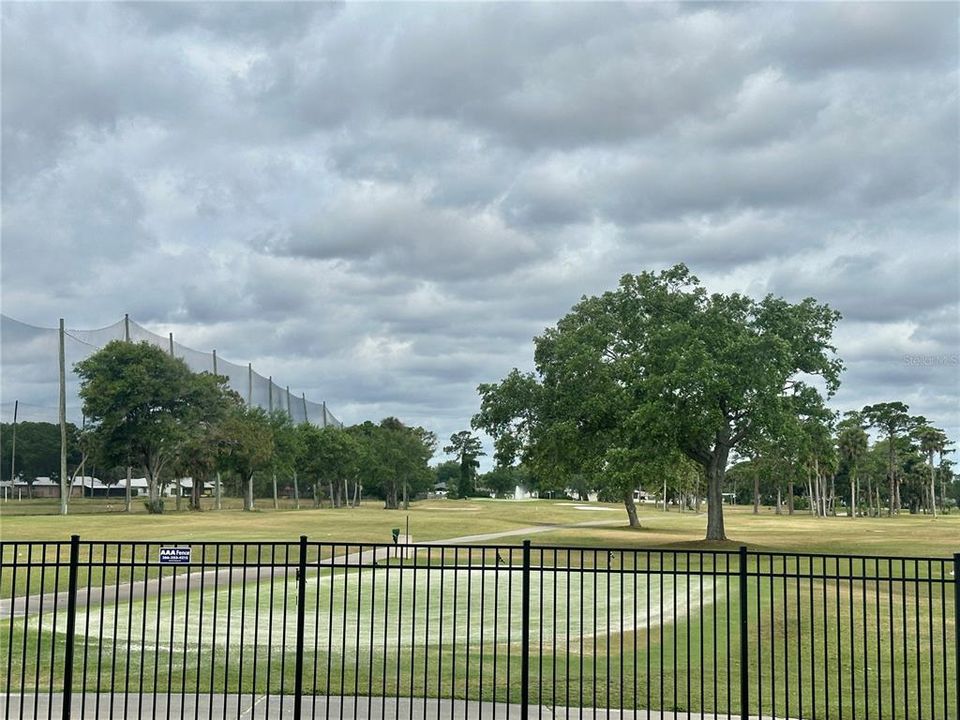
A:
[271,630]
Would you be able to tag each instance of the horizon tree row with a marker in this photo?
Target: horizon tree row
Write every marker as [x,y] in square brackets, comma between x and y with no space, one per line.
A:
[833,459]
[147,410]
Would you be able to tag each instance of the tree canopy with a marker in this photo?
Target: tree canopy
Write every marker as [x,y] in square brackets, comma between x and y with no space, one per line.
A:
[466,448]
[143,405]
[659,366]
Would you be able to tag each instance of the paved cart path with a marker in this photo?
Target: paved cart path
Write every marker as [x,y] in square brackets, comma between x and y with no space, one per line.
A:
[248,707]
[28,606]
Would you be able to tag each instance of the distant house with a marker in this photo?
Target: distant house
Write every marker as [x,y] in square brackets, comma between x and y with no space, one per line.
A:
[82,486]
[43,487]
[138,486]
[85,486]
[91,487]
[641,496]
[186,488]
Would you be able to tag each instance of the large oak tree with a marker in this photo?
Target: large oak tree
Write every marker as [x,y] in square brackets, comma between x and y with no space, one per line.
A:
[660,365]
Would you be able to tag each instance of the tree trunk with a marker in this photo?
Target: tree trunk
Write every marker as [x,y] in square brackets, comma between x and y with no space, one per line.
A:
[716,470]
[195,495]
[218,492]
[356,493]
[790,498]
[891,474]
[779,503]
[756,494]
[296,491]
[406,500]
[664,495]
[248,496]
[853,496]
[631,509]
[816,485]
[128,493]
[333,498]
[276,502]
[933,488]
[153,488]
[316,494]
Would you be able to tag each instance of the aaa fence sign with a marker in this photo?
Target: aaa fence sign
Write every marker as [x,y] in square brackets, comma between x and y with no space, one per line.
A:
[175,556]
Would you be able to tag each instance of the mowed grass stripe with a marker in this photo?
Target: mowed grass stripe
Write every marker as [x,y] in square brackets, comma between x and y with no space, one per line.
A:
[343,613]
[591,664]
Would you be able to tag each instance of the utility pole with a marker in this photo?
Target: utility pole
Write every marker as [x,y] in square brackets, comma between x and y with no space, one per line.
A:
[64,480]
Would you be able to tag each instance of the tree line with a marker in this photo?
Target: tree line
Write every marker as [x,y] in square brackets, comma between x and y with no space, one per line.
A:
[146,411]
[835,466]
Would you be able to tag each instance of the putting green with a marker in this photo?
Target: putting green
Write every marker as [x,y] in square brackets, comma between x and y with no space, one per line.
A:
[348,609]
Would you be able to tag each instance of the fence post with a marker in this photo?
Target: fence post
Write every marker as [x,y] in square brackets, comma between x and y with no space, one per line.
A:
[71,626]
[956,620]
[744,644]
[525,635]
[301,614]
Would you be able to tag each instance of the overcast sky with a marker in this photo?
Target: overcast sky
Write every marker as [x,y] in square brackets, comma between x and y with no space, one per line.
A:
[381,205]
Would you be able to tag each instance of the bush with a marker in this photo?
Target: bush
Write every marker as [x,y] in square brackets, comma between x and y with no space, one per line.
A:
[154,507]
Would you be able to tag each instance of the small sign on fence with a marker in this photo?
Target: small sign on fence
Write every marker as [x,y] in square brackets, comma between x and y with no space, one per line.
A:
[175,556]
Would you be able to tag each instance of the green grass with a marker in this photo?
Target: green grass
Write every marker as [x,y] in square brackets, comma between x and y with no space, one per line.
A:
[857,615]
[429,520]
[440,519]
[366,638]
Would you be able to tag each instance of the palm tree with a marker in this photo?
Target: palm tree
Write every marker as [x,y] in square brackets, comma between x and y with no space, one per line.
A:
[932,440]
[890,418]
[852,444]
[466,448]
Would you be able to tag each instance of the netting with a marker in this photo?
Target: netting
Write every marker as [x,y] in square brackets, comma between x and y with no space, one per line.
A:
[30,372]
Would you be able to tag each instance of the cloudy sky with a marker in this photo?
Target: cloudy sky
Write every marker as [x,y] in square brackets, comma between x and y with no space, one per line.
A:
[381,205]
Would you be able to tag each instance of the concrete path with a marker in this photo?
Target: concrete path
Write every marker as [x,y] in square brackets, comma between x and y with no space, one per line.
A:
[249,707]
[29,606]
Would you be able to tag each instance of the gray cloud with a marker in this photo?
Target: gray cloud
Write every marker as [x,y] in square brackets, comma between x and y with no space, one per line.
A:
[380,205]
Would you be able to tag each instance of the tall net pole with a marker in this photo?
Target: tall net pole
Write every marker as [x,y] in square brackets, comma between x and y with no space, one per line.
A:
[216,488]
[64,480]
[13,446]
[306,418]
[127,492]
[249,384]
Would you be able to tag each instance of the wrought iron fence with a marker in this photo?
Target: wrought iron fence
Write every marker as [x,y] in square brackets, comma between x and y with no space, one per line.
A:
[308,630]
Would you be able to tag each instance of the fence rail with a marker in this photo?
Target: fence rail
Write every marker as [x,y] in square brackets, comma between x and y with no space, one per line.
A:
[271,630]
